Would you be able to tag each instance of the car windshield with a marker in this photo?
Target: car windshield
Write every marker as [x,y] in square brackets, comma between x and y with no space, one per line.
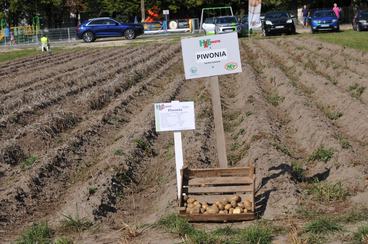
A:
[320,14]
[363,15]
[226,20]
[209,20]
[277,15]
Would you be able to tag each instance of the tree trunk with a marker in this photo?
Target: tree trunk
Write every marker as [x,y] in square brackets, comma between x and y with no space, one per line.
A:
[143,11]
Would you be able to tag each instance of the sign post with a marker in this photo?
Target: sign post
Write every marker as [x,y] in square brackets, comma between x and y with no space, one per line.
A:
[166,13]
[175,116]
[210,56]
[217,116]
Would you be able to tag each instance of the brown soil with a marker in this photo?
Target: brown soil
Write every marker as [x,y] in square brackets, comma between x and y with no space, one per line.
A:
[86,119]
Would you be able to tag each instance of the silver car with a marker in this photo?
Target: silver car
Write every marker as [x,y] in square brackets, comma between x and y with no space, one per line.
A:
[226,24]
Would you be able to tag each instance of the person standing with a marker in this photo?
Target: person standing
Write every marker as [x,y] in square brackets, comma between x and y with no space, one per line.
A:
[12,39]
[305,12]
[44,43]
[336,10]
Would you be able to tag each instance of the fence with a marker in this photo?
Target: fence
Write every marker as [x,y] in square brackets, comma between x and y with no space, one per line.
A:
[26,35]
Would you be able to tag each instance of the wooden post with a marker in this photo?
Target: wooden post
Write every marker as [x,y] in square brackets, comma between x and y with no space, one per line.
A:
[219,127]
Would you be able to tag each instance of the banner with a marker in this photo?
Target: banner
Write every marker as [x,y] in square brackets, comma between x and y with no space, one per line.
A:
[254,15]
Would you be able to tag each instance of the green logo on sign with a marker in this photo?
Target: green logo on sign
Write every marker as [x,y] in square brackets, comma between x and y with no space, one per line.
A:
[231,66]
[205,43]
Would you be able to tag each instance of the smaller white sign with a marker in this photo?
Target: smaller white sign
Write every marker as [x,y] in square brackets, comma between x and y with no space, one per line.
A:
[166,12]
[174,116]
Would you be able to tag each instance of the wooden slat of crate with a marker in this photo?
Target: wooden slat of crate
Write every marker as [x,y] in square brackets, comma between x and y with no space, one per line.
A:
[244,171]
[234,180]
[218,217]
[219,189]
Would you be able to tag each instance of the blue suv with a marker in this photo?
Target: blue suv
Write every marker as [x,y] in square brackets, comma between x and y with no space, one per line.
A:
[92,29]
[324,20]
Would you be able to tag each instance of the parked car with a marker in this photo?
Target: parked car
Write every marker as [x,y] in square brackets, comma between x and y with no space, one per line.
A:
[209,26]
[324,20]
[277,23]
[225,24]
[92,29]
[360,21]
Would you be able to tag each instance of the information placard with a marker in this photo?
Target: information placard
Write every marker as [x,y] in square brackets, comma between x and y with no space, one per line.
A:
[174,116]
[211,55]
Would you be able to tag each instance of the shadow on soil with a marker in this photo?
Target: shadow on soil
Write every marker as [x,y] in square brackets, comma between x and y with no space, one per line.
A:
[261,200]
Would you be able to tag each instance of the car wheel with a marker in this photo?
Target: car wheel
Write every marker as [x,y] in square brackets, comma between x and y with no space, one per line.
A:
[358,28]
[129,34]
[292,31]
[88,37]
[313,31]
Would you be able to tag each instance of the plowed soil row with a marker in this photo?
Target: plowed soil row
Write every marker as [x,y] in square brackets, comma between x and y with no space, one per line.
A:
[39,62]
[41,187]
[76,70]
[42,101]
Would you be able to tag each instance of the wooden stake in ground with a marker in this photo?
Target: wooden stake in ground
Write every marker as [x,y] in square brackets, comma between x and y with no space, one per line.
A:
[219,127]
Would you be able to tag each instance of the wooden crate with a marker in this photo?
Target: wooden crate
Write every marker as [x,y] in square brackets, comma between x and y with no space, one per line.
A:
[211,185]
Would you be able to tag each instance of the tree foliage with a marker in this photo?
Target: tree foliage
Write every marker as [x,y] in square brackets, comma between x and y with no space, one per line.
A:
[53,13]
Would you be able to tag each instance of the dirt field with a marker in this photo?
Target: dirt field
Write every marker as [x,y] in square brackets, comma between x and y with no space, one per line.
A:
[78,138]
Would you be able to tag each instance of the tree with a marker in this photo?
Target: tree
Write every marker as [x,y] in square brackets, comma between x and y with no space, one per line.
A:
[143,11]
[76,6]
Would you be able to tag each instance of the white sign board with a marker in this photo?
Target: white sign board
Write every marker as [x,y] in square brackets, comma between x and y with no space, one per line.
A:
[174,116]
[211,55]
[166,12]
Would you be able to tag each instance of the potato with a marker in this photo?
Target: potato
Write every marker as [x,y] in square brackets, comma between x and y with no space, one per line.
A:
[235,198]
[196,203]
[247,204]
[221,206]
[240,205]
[227,206]
[224,201]
[205,205]
[217,203]
[194,211]
[191,200]
[245,210]
[212,210]
[191,205]
[237,210]
[231,211]
[222,212]
[233,204]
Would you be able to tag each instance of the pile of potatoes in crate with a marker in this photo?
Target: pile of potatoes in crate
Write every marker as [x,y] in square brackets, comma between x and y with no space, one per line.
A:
[231,205]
